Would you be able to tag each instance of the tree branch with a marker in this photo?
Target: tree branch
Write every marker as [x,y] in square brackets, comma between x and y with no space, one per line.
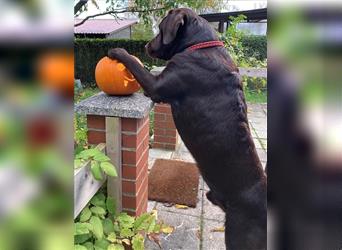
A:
[79,5]
[117,12]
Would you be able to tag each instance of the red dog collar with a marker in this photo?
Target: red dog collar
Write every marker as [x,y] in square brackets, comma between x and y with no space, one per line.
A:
[205,45]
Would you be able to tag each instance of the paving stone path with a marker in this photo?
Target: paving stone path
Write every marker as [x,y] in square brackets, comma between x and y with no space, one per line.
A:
[195,227]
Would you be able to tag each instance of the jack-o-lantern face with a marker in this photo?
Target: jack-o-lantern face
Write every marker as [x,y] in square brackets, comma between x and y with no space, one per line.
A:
[113,78]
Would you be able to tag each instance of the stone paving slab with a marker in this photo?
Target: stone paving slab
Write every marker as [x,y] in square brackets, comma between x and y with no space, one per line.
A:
[212,212]
[212,240]
[206,216]
[185,235]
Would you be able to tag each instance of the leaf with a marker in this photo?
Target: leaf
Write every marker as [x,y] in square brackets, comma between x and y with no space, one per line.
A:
[108,226]
[80,228]
[101,244]
[95,170]
[112,237]
[138,242]
[115,247]
[80,247]
[127,242]
[217,229]
[85,214]
[155,238]
[99,200]
[167,229]
[151,225]
[139,222]
[126,233]
[109,169]
[125,220]
[181,206]
[97,227]
[101,157]
[157,228]
[111,205]
[79,239]
[88,153]
[98,210]
[89,245]
[77,163]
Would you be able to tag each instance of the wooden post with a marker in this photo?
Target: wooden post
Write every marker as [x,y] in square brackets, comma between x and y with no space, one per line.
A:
[221,27]
[113,150]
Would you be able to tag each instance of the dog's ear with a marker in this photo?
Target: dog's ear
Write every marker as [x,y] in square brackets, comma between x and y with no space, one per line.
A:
[174,22]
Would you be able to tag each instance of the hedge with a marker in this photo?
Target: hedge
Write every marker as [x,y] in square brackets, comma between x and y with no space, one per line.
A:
[89,51]
[256,46]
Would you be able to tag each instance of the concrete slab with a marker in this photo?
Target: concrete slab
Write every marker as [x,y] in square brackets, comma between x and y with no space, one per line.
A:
[151,205]
[262,154]
[136,105]
[185,235]
[184,156]
[212,212]
[157,153]
[212,240]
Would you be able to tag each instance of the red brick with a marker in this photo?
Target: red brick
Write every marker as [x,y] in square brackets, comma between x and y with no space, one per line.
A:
[142,207]
[142,121]
[96,122]
[129,202]
[169,118]
[165,139]
[166,125]
[128,141]
[132,171]
[143,132]
[171,132]
[159,116]
[129,172]
[170,146]
[128,124]
[134,187]
[96,137]
[162,108]
[159,131]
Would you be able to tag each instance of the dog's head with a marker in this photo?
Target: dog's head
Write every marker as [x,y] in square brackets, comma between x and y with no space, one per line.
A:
[180,29]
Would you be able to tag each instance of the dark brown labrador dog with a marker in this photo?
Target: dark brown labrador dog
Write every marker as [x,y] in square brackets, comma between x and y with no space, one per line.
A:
[209,110]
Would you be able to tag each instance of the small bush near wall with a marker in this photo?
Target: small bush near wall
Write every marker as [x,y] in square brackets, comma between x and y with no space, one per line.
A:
[89,51]
[255,46]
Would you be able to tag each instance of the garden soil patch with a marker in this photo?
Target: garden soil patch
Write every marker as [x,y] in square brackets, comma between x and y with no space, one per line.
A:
[173,182]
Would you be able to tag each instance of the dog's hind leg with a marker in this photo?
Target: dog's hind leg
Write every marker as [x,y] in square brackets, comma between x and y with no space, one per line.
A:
[243,232]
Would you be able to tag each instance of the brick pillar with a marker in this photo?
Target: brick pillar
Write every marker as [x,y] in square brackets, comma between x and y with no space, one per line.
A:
[165,132]
[135,146]
[134,151]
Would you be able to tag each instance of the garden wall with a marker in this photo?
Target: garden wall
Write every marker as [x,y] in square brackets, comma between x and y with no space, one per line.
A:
[89,51]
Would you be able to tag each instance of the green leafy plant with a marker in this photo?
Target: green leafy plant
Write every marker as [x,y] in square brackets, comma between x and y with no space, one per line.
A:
[99,227]
[240,48]
[99,163]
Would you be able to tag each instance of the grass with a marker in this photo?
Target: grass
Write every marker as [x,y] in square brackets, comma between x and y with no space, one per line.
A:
[253,96]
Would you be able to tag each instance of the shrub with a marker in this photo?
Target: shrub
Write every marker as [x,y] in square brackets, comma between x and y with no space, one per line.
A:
[255,46]
[89,51]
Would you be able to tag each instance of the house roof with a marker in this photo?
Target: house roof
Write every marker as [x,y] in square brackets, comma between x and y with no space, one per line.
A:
[102,26]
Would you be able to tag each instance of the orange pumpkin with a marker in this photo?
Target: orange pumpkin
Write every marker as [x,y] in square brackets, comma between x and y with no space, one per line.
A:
[113,78]
[56,71]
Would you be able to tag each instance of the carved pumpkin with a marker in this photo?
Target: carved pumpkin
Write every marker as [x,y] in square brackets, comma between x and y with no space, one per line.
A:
[113,78]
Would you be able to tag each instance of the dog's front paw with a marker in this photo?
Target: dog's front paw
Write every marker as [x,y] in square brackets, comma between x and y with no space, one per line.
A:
[117,53]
